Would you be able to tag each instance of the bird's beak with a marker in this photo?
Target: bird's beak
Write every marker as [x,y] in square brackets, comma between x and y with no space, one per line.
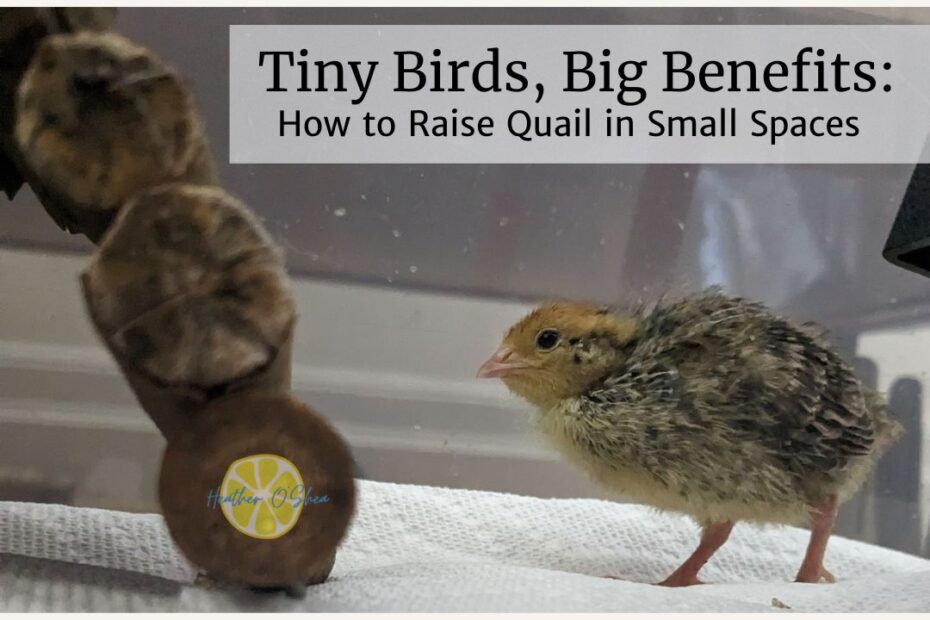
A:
[501,364]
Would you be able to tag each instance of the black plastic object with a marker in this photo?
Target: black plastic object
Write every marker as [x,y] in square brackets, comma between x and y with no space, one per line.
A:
[908,243]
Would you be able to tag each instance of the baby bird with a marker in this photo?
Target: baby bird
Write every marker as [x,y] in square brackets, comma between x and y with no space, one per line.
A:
[709,405]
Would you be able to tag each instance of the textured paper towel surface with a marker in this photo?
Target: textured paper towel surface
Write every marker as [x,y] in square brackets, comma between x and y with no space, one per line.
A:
[414,548]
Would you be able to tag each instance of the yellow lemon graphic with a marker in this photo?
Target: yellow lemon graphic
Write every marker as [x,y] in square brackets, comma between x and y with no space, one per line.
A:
[259,495]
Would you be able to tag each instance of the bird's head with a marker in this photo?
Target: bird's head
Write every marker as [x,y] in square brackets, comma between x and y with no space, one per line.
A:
[558,350]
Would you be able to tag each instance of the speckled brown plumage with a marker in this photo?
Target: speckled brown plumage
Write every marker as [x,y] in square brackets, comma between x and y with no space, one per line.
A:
[707,405]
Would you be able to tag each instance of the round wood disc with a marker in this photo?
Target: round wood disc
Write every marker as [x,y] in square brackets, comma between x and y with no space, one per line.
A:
[241,428]
[188,289]
[99,119]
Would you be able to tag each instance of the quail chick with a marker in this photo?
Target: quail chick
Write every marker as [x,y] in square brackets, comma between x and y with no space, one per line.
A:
[708,405]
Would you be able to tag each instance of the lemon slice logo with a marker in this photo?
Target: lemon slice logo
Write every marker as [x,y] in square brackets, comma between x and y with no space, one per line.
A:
[257,492]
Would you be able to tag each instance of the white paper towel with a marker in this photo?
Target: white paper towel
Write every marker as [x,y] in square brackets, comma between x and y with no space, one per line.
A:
[414,548]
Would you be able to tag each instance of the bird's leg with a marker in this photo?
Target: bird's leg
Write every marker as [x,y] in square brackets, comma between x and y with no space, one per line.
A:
[712,538]
[822,519]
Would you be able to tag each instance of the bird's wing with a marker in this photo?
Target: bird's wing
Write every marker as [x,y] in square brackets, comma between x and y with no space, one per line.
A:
[827,413]
[778,383]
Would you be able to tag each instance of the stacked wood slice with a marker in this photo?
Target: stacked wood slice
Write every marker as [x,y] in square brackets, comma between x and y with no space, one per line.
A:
[186,289]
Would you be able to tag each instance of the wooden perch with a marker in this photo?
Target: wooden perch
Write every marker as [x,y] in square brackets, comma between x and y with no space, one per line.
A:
[21,31]
[191,297]
[258,423]
[99,119]
[186,289]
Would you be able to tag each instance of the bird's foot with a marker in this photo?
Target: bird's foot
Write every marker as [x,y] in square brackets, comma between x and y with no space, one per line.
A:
[810,576]
[676,580]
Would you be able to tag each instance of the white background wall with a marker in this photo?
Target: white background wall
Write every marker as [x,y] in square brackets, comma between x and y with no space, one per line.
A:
[903,353]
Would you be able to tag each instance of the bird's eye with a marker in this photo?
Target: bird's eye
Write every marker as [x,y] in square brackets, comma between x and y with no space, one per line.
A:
[547,339]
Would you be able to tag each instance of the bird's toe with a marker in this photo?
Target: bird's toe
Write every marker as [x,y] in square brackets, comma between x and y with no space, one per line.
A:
[680,581]
[823,576]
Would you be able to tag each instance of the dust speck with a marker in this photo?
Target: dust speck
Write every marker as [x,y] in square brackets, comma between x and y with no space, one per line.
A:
[777,603]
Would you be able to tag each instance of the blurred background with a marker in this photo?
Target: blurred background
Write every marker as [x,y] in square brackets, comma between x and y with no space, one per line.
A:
[406,276]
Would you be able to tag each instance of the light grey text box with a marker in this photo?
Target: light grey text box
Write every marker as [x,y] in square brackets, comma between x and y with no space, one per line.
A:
[888,124]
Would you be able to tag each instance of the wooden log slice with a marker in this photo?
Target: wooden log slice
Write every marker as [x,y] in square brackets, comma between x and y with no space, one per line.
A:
[190,295]
[21,31]
[260,545]
[99,119]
